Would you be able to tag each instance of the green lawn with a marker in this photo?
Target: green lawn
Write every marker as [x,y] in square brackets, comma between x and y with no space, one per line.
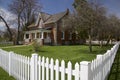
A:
[115,70]
[67,53]
[4,75]
[5,45]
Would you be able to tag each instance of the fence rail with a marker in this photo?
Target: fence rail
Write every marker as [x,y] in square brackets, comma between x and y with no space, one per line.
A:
[41,68]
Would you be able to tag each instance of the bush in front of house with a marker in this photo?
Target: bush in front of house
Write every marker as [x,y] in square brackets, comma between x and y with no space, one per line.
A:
[36,46]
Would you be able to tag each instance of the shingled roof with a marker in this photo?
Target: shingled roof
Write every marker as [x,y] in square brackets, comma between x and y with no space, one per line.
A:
[44,16]
[47,18]
[56,17]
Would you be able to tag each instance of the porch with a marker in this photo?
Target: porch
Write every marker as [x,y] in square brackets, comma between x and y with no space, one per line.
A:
[42,36]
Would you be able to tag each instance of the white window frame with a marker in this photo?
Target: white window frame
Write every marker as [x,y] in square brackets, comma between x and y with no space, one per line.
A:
[63,35]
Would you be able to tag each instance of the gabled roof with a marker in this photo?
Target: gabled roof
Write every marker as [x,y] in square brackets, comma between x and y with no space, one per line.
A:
[44,16]
[56,17]
[32,25]
[47,18]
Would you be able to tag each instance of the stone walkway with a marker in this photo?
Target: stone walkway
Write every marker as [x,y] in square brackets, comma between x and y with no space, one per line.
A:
[115,71]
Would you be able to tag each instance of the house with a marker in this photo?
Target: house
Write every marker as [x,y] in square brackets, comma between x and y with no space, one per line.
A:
[47,30]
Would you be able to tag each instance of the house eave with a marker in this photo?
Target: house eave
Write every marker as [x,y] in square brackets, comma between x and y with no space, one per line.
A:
[36,31]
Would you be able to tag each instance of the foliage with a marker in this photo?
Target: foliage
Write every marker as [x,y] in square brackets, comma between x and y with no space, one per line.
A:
[2,19]
[36,46]
[90,21]
[25,11]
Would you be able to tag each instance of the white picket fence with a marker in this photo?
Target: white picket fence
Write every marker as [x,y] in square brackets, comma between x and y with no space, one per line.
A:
[41,68]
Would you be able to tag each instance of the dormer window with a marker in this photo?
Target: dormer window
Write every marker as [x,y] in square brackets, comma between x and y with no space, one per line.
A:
[63,35]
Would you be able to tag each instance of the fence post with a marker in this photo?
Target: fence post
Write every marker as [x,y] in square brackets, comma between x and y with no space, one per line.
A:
[33,65]
[10,55]
[100,57]
[85,70]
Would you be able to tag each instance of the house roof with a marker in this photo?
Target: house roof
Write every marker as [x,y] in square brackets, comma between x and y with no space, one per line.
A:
[47,18]
[56,17]
[32,25]
[44,16]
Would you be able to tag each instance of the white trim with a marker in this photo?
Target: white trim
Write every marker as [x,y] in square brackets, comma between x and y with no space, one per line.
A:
[35,31]
[42,37]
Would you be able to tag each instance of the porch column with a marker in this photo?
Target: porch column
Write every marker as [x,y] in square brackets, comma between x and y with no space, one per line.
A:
[55,36]
[29,35]
[25,36]
[35,35]
[42,37]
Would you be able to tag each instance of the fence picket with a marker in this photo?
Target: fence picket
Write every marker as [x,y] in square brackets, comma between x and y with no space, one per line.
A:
[28,63]
[51,69]
[21,67]
[57,70]
[62,70]
[39,70]
[47,69]
[77,71]
[43,68]
[69,70]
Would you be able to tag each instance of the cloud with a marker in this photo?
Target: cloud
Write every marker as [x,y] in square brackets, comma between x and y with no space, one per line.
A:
[9,17]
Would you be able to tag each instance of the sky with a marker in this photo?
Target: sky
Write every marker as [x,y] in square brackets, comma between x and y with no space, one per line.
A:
[56,6]
[112,6]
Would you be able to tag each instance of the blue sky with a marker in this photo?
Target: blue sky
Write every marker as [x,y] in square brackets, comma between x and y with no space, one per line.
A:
[55,6]
[112,6]
[49,6]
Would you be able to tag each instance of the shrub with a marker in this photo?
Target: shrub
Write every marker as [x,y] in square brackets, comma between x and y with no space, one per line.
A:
[36,46]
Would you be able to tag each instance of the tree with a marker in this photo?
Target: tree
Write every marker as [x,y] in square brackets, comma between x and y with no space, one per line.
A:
[113,28]
[6,24]
[25,11]
[32,7]
[86,14]
[90,16]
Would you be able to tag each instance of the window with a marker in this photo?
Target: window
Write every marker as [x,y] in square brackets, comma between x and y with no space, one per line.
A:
[27,36]
[63,35]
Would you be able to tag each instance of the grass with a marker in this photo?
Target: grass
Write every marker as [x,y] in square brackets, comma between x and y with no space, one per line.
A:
[67,53]
[5,45]
[4,75]
[115,70]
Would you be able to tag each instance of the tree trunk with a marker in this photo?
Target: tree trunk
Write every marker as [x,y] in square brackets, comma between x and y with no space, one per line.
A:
[18,33]
[101,43]
[8,28]
[108,40]
[90,43]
